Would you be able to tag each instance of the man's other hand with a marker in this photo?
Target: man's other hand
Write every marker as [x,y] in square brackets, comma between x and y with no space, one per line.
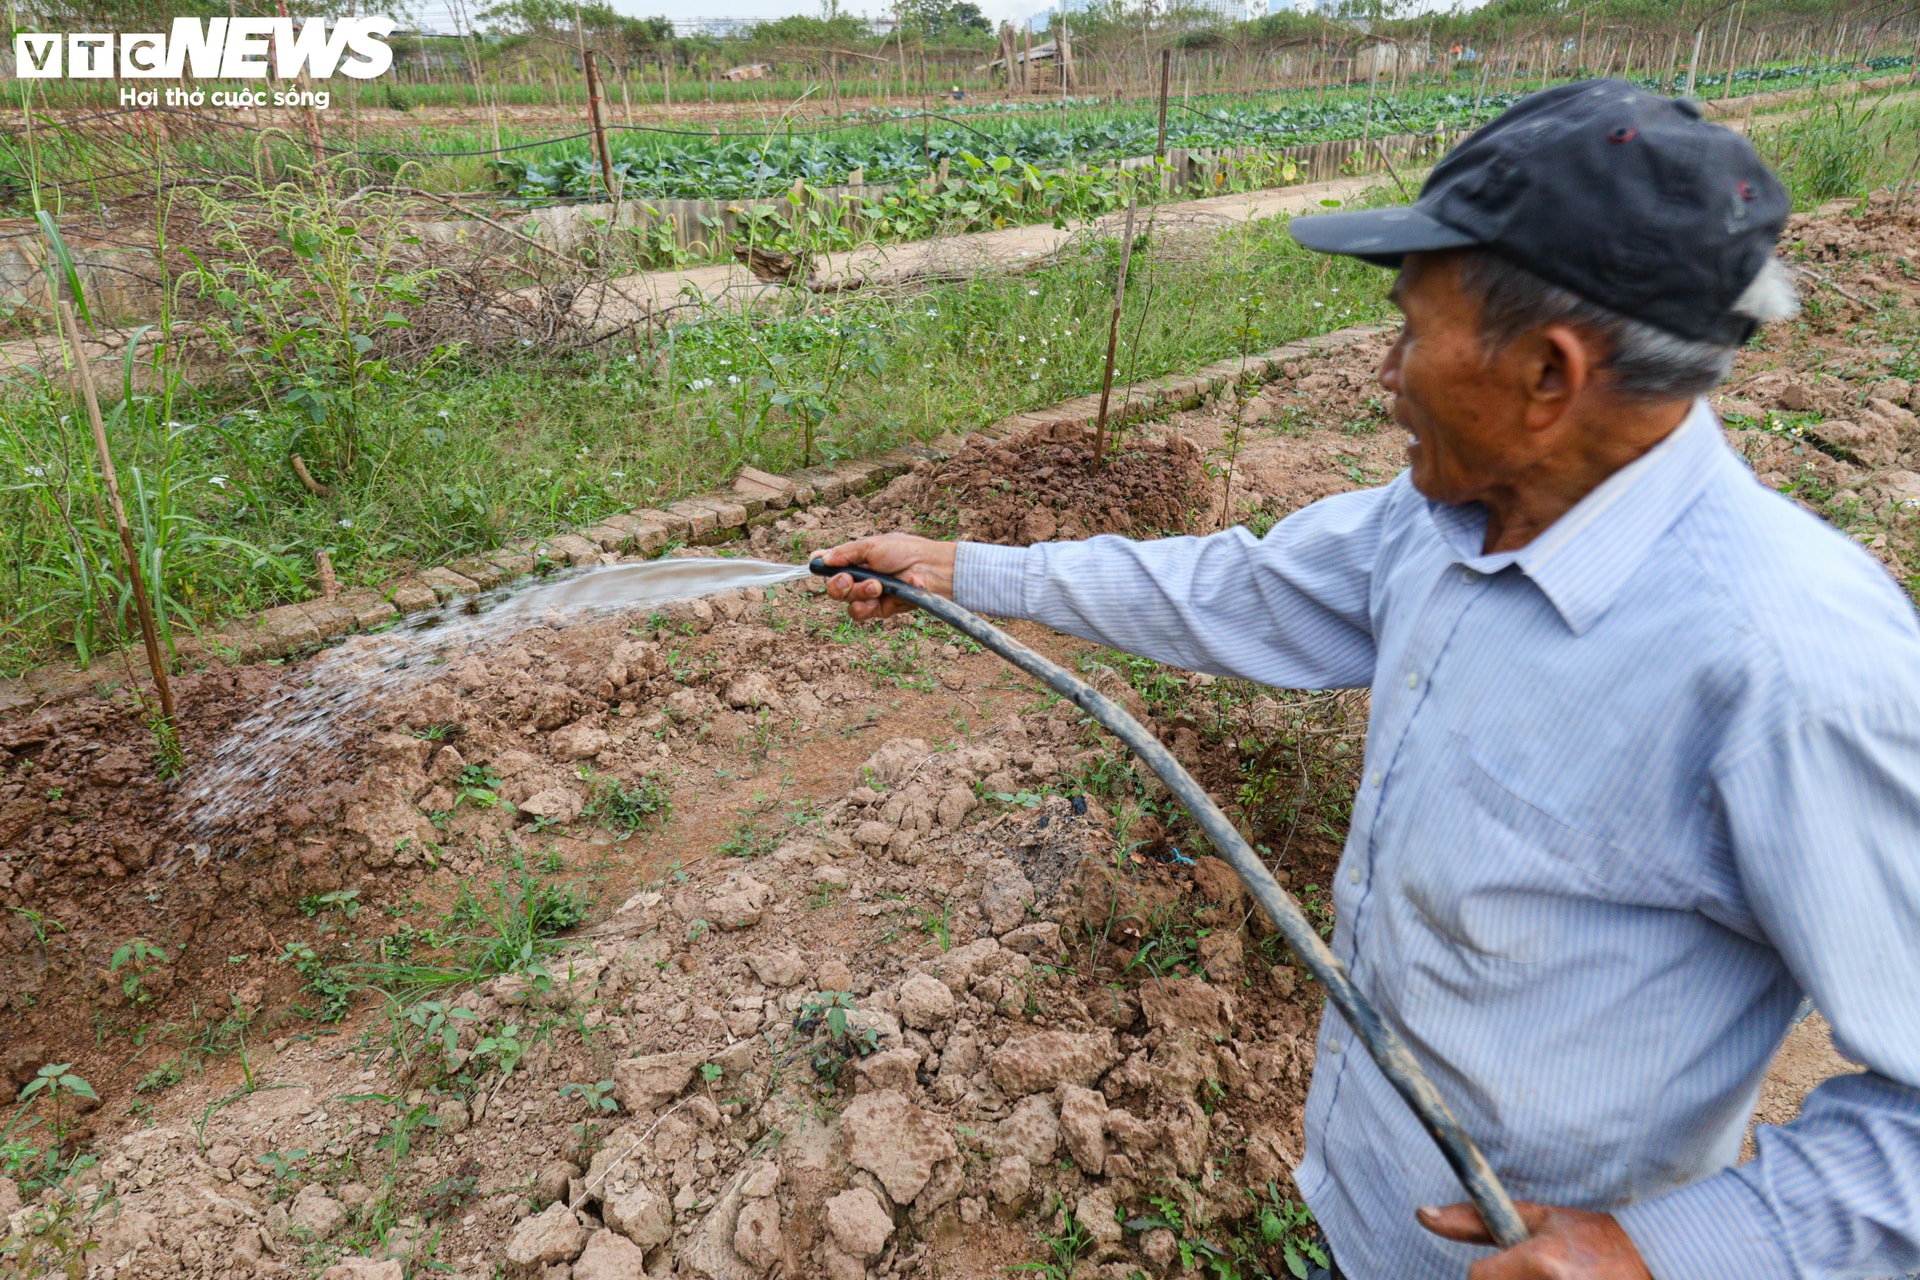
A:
[1565,1244]
[920,562]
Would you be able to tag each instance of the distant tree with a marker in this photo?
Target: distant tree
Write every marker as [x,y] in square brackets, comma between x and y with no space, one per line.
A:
[944,17]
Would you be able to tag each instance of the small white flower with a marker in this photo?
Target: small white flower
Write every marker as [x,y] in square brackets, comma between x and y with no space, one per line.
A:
[1033,293]
[346,524]
[40,473]
[1022,337]
[218,482]
[700,384]
[444,414]
[618,475]
[1319,304]
[932,312]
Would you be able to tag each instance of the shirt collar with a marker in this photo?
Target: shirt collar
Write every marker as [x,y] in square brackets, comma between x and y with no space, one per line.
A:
[1586,556]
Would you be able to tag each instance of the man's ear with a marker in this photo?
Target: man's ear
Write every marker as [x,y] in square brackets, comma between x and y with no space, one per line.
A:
[1559,367]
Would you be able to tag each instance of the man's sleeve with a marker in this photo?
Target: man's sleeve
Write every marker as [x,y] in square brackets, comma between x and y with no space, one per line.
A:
[1825,824]
[1289,610]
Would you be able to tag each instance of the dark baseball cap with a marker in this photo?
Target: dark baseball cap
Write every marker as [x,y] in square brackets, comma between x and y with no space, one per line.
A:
[1625,198]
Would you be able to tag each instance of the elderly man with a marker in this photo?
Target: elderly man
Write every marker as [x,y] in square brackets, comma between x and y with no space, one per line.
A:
[1644,759]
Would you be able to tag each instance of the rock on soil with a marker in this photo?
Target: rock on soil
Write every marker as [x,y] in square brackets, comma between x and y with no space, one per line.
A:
[644,1083]
[609,1256]
[859,1222]
[545,1240]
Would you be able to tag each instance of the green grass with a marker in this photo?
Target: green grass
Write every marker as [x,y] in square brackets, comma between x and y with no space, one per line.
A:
[470,451]
[1843,149]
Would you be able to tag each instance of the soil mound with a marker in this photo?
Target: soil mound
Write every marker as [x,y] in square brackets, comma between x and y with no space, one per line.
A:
[1043,486]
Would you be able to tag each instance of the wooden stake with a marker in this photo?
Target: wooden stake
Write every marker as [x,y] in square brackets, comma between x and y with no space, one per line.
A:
[148,631]
[599,124]
[1113,338]
[1166,73]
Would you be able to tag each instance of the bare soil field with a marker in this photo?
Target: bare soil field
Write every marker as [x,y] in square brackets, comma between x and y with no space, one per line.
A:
[734,940]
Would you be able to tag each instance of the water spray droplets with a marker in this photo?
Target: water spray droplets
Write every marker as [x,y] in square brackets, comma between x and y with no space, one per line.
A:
[344,688]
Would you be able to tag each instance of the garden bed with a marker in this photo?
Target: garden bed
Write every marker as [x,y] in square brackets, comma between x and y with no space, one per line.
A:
[686,923]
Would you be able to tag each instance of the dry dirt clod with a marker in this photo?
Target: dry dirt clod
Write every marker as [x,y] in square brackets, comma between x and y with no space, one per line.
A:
[860,1224]
[1031,1133]
[778,968]
[1009,1182]
[1043,1062]
[757,1237]
[316,1213]
[609,1256]
[548,1238]
[365,1269]
[924,1003]
[640,1213]
[1083,1122]
[644,1083]
[1005,899]
[895,1141]
[579,741]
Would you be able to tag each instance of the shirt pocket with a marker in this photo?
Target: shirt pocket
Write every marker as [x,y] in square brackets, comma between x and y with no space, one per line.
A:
[1497,876]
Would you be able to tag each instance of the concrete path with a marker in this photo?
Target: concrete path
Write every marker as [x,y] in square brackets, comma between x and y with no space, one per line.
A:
[614,303]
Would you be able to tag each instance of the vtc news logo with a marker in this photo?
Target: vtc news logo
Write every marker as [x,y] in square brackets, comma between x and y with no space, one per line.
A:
[223,48]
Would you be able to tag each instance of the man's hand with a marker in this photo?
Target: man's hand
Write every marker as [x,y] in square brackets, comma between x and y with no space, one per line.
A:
[1566,1244]
[921,562]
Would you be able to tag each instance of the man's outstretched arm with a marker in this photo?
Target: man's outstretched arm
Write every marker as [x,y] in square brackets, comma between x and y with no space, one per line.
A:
[1291,609]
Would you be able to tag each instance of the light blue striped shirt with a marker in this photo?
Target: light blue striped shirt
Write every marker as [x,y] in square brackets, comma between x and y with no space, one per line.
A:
[1629,792]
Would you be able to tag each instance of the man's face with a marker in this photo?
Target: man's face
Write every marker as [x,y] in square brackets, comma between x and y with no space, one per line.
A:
[1463,410]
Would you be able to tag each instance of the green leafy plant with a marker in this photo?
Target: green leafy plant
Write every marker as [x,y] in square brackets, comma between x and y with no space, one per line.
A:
[598,1096]
[503,1047]
[55,1084]
[623,807]
[1067,1248]
[133,960]
[333,984]
[345,901]
[828,1011]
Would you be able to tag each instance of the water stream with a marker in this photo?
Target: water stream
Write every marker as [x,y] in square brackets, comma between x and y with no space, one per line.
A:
[287,738]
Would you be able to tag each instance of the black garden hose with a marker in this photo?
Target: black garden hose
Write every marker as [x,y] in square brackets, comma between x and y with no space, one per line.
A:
[1389,1053]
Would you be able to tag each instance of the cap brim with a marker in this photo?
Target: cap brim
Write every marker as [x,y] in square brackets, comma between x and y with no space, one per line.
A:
[1380,236]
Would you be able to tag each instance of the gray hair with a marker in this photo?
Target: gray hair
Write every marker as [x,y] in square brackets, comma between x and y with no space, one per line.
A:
[1645,363]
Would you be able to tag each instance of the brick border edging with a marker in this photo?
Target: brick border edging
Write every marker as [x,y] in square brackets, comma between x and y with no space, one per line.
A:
[709,519]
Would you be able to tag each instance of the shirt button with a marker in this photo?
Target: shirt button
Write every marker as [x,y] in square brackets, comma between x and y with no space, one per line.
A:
[1413,679]
[1469,576]
[1353,876]
[1333,1044]
[1377,779]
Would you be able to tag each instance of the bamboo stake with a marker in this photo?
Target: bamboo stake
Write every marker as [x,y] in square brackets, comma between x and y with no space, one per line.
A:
[598,124]
[1166,73]
[1113,338]
[148,631]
